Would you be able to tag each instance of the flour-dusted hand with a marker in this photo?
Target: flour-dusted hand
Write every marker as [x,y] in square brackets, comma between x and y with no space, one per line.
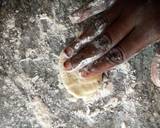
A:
[90,9]
[130,27]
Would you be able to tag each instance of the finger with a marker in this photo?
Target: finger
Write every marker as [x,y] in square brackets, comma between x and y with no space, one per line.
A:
[120,28]
[90,9]
[88,54]
[124,24]
[87,36]
[155,70]
[127,48]
[106,62]
[139,39]
[115,32]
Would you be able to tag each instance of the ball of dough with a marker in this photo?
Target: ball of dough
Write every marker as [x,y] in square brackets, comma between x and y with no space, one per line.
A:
[77,86]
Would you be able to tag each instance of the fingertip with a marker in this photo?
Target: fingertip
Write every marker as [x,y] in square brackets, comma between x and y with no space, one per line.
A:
[85,74]
[74,18]
[88,72]
[67,65]
[68,52]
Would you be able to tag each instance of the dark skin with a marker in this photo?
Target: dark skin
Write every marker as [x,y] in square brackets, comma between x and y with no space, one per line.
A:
[133,25]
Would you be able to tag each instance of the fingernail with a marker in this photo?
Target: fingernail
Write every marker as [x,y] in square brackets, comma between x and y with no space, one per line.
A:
[68,51]
[85,73]
[67,65]
[75,17]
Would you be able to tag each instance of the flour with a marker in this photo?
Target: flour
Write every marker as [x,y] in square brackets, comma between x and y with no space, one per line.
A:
[90,38]
[91,9]
[32,35]
[41,112]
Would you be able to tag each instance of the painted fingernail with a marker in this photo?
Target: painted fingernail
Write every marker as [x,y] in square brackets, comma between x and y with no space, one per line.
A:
[68,51]
[67,65]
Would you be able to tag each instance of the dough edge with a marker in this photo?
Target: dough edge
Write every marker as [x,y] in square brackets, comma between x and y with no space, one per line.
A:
[75,85]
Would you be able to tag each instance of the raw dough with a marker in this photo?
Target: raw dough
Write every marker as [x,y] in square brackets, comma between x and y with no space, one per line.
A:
[76,85]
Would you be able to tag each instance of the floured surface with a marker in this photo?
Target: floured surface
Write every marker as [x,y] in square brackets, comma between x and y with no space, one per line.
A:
[32,35]
[75,84]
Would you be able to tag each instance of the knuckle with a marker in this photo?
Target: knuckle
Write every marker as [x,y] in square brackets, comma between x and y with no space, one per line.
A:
[116,55]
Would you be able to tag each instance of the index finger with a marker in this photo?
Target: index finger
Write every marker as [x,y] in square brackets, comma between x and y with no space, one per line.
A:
[90,10]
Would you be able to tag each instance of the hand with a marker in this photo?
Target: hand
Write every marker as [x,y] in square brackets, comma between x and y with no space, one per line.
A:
[130,25]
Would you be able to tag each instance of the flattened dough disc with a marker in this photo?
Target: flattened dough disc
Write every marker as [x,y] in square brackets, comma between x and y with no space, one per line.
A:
[75,85]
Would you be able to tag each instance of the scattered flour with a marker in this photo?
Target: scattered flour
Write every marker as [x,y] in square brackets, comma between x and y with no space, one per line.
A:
[41,112]
[115,96]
